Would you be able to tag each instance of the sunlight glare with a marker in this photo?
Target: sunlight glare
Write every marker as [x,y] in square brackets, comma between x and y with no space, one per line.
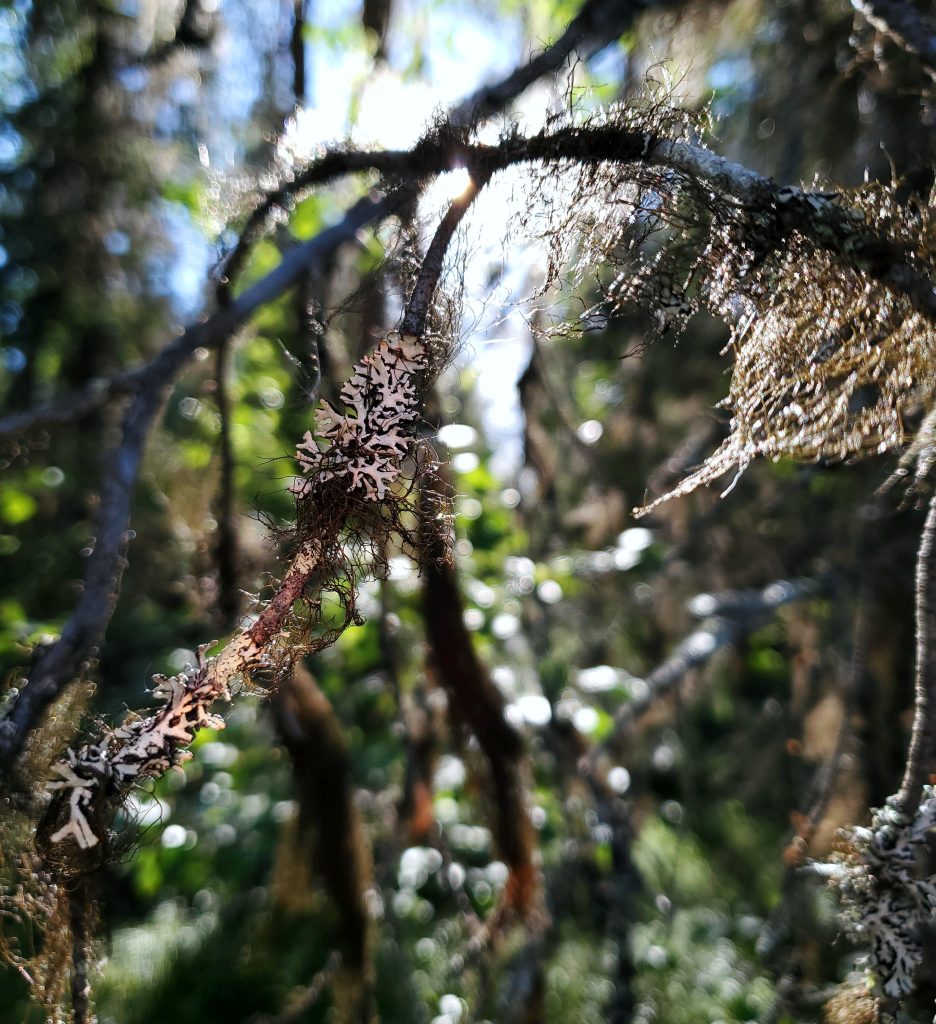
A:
[454,184]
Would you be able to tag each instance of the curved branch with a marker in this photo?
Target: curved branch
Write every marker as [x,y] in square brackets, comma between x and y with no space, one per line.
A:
[598,23]
[828,224]
[922,751]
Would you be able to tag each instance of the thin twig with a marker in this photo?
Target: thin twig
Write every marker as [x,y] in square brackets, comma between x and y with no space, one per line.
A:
[729,617]
[414,322]
[920,756]
[226,548]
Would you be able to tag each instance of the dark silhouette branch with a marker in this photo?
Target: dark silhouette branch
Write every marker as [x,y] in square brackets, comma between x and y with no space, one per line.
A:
[907,26]
[477,704]
[598,23]
[297,50]
[828,224]
[227,553]
[329,825]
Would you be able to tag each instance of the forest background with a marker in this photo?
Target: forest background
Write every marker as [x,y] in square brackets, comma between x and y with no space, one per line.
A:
[586,769]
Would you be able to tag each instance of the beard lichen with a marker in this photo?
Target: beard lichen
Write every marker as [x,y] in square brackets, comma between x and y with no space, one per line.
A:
[828,359]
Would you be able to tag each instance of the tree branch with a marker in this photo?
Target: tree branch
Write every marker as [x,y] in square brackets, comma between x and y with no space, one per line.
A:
[330,830]
[598,23]
[65,659]
[729,617]
[922,751]
[907,26]
[828,224]
[209,332]
[478,705]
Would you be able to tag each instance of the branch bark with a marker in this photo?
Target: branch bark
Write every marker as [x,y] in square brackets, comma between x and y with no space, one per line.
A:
[922,752]
[478,705]
[330,827]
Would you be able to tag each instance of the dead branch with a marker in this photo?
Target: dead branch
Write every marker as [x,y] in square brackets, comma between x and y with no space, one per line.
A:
[330,828]
[728,618]
[907,26]
[478,705]
[922,752]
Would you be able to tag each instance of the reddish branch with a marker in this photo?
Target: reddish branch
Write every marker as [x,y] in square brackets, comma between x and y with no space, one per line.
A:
[477,704]
[340,496]
[329,824]
[67,658]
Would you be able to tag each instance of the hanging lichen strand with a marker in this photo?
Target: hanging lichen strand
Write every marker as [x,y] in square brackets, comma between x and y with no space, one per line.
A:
[351,494]
[827,359]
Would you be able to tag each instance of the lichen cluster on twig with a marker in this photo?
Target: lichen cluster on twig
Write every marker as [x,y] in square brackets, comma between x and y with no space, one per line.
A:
[362,460]
[888,892]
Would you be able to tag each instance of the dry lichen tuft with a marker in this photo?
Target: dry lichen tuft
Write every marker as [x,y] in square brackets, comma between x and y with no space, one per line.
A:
[828,360]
